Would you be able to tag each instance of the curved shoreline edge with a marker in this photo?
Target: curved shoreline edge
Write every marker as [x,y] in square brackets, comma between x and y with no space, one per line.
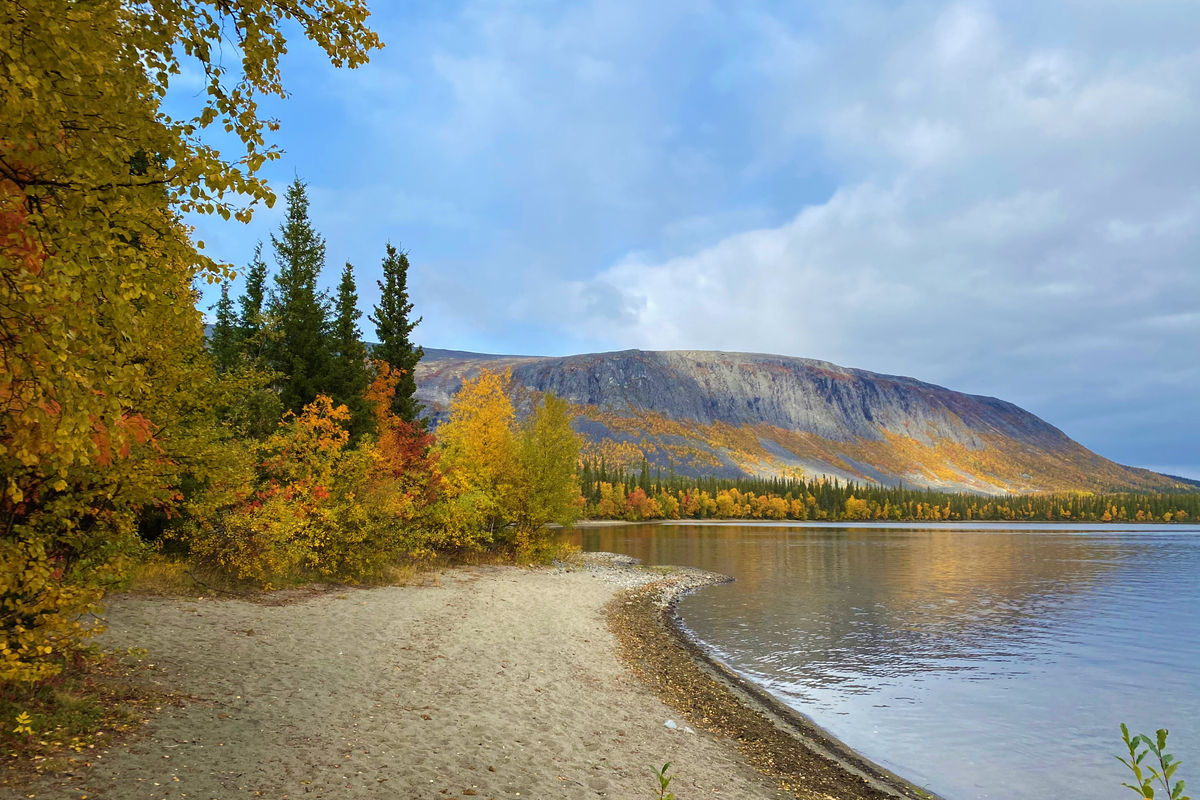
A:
[800,755]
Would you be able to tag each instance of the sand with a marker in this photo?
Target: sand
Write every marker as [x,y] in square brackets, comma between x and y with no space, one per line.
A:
[495,682]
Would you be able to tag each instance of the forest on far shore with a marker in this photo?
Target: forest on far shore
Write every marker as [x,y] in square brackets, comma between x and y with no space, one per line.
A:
[646,495]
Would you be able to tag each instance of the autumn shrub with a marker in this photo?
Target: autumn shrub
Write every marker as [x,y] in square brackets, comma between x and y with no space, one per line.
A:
[279,520]
[310,505]
[66,537]
[393,504]
[43,615]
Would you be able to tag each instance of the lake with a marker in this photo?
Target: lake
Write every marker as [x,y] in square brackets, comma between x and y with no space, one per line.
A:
[985,661]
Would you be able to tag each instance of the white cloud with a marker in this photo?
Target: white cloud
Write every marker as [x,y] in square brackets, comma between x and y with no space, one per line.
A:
[963,35]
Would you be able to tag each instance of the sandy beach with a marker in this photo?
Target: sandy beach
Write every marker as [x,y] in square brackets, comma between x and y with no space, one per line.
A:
[491,682]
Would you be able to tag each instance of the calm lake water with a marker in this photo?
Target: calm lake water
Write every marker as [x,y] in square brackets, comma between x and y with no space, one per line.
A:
[979,662]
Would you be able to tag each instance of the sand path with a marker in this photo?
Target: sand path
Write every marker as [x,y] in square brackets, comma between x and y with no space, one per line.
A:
[496,682]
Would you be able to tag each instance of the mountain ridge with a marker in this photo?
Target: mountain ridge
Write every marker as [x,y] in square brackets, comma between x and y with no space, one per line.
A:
[759,414]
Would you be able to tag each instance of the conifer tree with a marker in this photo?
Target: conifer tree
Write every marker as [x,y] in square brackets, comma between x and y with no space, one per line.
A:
[351,374]
[223,343]
[299,350]
[250,319]
[393,328]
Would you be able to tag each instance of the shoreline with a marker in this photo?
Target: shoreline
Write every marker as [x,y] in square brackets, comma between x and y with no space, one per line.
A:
[819,762]
[485,681]
[1092,526]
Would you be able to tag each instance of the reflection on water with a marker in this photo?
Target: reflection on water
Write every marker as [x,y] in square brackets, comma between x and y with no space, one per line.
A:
[982,664]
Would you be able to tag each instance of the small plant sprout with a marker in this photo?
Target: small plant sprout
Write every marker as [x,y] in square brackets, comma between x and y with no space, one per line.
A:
[664,781]
[1158,769]
[24,723]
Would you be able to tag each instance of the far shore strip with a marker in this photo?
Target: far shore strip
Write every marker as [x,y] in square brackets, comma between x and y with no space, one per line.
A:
[488,682]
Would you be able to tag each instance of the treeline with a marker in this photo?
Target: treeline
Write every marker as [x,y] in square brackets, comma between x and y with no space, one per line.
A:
[296,342]
[647,495]
[326,465]
[280,450]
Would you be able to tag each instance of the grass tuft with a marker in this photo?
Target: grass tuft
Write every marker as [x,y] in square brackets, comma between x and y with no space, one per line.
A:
[58,724]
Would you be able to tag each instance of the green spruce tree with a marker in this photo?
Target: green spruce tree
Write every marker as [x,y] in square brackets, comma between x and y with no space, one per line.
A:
[394,329]
[298,348]
[251,320]
[351,370]
[223,343]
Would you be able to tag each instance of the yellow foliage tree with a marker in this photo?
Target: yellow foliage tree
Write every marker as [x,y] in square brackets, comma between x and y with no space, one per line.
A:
[479,452]
[857,509]
[547,488]
[500,474]
[97,317]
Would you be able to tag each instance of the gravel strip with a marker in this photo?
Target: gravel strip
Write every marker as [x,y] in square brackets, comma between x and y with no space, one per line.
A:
[778,742]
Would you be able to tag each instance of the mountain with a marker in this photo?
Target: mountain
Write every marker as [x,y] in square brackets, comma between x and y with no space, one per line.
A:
[745,414]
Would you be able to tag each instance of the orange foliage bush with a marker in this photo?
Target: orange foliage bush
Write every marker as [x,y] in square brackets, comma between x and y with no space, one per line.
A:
[310,505]
[281,520]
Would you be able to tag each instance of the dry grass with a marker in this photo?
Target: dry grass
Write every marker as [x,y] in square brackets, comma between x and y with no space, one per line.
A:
[75,715]
[167,576]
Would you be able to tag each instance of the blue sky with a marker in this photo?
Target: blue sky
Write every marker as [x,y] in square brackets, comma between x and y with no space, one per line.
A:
[999,198]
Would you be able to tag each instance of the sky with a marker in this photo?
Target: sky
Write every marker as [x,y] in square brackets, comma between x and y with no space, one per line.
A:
[1000,198]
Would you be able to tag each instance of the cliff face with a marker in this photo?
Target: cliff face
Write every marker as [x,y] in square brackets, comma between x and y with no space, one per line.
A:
[706,413]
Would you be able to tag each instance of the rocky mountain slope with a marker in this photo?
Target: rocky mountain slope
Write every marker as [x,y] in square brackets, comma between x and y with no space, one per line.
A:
[730,414]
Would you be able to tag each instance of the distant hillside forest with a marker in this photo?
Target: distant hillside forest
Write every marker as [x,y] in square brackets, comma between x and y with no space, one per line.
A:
[645,495]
